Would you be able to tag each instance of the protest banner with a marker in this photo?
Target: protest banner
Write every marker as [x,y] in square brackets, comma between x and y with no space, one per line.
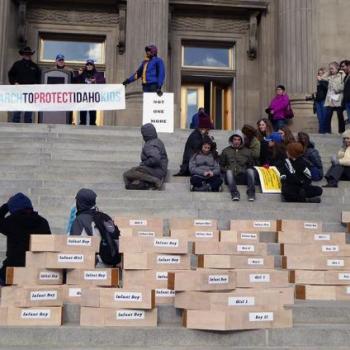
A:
[159,111]
[62,97]
[269,179]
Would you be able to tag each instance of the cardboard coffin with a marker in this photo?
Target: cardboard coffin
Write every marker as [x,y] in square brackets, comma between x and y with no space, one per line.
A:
[254,225]
[139,223]
[307,292]
[230,248]
[320,277]
[301,226]
[298,237]
[315,262]
[34,316]
[195,234]
[186,223]
[240,237]
[72,294]
[103,277]
[141,232]
[33,276]
[260,278]
[316,249]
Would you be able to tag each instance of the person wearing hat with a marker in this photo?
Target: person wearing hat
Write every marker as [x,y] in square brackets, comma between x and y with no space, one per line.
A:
[236,162]
[194,143]
[21,222]
[89,75]
[272,150]
[24,72]
[60,65]
[296,177]
[151,71]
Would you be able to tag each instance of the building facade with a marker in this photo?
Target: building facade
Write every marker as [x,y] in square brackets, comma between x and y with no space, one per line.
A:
[224,55]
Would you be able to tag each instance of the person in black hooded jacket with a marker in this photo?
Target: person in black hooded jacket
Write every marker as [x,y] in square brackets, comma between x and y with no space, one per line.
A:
[17,227]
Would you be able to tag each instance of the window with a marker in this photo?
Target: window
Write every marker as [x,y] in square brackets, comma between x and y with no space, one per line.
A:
[207,57]
[75,48]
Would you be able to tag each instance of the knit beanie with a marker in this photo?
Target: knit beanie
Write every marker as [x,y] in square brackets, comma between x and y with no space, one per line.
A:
[19,202]
[295,149]
[204,121]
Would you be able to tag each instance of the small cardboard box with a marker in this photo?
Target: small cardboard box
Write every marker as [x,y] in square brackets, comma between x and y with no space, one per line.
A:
[201,280]
[32,276]
[298,237]
[316,249]
[102,277]
[61,260]
[101,317]
[235,300]
[37,316]
[320,277]
[186,223]
[32,296]
[262,278]
[139,222]
[239,237]
[72,294]
[160,262]
[307,292]
[254,225]
[195,234]
[167,245]
[301,226]
[261,317]
[235,262]
[315,262]
[120,298]
[141,232]
[63,243]
[226,248]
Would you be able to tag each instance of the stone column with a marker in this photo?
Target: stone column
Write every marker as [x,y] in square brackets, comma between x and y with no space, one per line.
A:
[4,15]
[146,23]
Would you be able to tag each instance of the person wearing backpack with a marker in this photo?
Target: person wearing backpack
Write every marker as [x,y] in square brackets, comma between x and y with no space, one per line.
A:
[89,221]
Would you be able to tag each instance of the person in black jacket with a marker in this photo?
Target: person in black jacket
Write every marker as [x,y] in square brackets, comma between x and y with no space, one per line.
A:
[346,96]
[17,227]
[24,72]
[296,177]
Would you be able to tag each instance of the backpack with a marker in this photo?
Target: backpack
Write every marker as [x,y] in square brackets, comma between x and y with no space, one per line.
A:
[109,251]
[289,114]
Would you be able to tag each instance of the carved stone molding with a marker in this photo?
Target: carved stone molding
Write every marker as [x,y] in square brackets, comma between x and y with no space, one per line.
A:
[21,28]
[122,29]
[253,36]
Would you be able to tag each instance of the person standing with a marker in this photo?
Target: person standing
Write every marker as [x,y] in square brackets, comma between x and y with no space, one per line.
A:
[319,99]
[151,71]
[195,118]
[346,96]
[24,72]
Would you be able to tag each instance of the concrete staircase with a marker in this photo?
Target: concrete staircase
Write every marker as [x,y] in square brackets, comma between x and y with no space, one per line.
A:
[51,163]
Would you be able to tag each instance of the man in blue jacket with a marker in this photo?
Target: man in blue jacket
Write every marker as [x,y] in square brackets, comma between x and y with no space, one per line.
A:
[151,71]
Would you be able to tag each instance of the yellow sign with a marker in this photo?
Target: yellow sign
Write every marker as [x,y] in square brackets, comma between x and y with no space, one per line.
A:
[269,179]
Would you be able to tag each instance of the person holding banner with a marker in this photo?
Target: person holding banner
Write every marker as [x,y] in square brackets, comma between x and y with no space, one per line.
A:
[24,72]
[151,71]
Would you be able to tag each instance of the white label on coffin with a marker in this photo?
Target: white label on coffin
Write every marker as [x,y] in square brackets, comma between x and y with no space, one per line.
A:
[335,262]
[70,258]
[322,237]
[40,295]
[49,276]
[128,296]
[166,242]
[241,301]
[165,293]
[330,248]
[259,277]
[245,248]
[32,314]
[146,233]
[311,225]
[344,276]
[137,222]
[95,275]
[162,276]
[74,292]
[203,223]
[261,224]
[168,259]
[256,261]
[130,315]
[218,279]
[204,234]
[250,236]
[260,316]
[80,242]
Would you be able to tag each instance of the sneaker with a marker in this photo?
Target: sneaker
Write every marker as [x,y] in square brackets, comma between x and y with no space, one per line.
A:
[235,196]
[204,188]
[330,185]
[251,196]
[313,200]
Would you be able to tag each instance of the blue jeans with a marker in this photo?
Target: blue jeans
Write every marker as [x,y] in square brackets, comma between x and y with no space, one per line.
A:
[16,117]
[321,115]
[278,124]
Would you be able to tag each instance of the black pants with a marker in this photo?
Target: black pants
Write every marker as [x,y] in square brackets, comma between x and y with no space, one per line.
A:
[150,87]
[295,193]
[338,172]
[92,117]
[214,181]
[328,119]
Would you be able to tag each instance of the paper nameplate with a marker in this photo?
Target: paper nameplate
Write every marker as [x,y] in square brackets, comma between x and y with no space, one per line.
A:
[241,301]
[335,262]
[128,296]
[347,290]
[146,233]
[35,314]
[137,222]
[261,224]
[168,259]
[260,316]
[204,234]
[330,248]
[322,237]
[245,248]
[344,276]
[259,277]
[162,276]
[166,242]
[247,235]
[130,314]
[256,261]
[203,223]
[311,225]
[95,275]
[165,293]
[71,258]
[43,276]
[218,279]
[43,295]
[74,292]
[79,241]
